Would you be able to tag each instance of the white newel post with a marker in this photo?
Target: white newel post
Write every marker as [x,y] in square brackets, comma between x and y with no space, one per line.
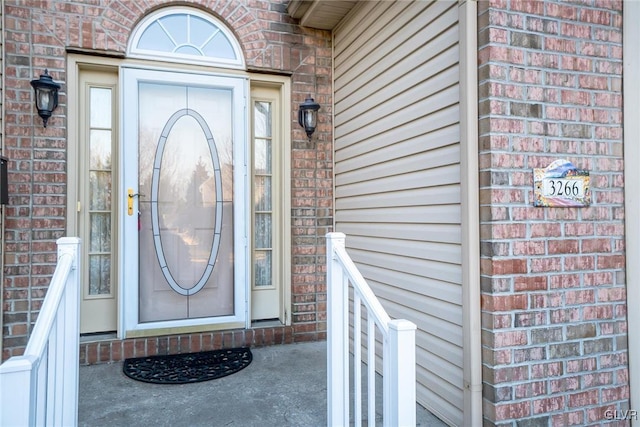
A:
[71,316]
[337,336]
[13,393]
[41,386]
[402,381]
[398,358]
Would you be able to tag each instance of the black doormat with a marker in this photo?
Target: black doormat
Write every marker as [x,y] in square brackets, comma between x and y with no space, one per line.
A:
[188,367]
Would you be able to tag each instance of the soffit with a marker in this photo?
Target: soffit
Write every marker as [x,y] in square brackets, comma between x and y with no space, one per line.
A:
[321,14]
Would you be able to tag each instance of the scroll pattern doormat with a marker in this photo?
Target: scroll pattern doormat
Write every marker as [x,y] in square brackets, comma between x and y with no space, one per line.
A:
[188,367]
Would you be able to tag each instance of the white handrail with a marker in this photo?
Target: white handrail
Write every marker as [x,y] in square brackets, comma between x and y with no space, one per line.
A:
[41,386]
[368,297]
[42,328]
[398,336]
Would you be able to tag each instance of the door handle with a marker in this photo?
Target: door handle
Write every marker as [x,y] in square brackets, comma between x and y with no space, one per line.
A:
[130,196]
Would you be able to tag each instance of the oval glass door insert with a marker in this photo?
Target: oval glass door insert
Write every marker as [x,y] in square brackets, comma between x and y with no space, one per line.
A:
[170,187]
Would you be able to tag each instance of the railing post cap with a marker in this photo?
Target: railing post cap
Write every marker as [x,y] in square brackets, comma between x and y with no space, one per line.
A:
[21,363]
[335,235]
[68,240]
[402,325]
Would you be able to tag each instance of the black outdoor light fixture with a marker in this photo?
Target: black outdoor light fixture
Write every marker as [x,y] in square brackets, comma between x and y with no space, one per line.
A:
[46,95]
[308,115]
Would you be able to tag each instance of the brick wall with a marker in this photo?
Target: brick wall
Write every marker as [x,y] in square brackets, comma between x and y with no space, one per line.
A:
[38,35]
[553,279]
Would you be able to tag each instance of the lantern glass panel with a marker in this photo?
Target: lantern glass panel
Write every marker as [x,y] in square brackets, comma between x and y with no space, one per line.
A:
[309,119]
[44,99]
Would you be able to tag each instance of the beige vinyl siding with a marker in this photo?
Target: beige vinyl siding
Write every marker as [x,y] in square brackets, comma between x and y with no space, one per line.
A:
[397,174]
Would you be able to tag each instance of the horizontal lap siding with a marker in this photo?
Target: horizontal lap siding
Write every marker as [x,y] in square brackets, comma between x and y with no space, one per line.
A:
[397,174]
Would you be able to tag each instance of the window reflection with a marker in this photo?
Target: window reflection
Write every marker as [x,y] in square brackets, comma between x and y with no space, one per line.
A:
[99,190]
[191,195]
[263,197]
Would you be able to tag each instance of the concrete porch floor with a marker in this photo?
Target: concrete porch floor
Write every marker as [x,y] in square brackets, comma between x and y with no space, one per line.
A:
[284,385]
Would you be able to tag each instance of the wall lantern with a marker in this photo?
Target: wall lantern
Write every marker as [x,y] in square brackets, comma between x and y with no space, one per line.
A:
[308,115]
[46,95]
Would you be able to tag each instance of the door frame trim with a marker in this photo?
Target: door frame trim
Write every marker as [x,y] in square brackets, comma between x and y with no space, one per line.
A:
[631,132]
[77,63]
[282,185]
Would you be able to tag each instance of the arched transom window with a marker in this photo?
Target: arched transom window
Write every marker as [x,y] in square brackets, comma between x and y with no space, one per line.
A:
[186,35]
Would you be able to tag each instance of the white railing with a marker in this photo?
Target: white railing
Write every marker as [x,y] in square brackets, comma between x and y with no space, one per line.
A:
[40,388]
[398,348]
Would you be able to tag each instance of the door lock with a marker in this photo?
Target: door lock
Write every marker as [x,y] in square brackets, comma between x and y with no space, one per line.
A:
[130,196]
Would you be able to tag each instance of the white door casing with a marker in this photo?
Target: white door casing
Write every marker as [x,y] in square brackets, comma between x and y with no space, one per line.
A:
[150,323]
[631,108]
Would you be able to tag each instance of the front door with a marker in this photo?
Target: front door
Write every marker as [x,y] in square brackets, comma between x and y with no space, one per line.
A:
[184,214]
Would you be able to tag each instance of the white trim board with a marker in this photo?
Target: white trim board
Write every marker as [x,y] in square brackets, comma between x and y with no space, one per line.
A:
[470,213]
[631,123]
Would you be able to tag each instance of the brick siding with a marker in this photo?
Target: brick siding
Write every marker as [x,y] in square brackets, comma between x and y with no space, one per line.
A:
[38,35]
[553,279]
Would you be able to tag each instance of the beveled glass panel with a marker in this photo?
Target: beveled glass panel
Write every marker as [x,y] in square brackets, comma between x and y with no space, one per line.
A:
[188,50]
[219,47]
[262,156]
[100,149]
[263,231]
[262,268]
[201,30]
[99,190]
[101,107]
[263,197]
[177,27]
[155,38]
[187,212]
[100,232]
[262,119]
[262,193]
[99,274]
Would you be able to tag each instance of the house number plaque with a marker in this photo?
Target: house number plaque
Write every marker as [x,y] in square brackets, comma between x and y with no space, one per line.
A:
[561,184]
